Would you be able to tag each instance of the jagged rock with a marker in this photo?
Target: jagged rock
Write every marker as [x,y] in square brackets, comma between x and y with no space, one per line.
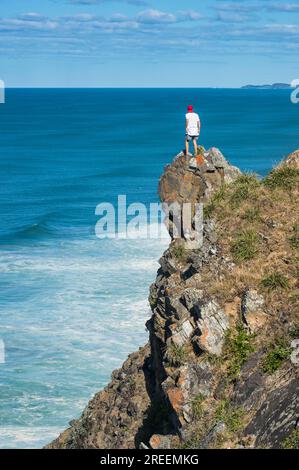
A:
[174,307]
[252,302]
[295,352]
[181,334]
[217,159]
[179,185]
[212,435]
[250,387]
[252,309]
[168,264]
[212,325]
[192,297]
[176,400]
[198,379]
[194,379]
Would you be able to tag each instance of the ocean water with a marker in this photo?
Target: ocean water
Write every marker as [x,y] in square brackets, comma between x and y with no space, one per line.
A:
[73,306]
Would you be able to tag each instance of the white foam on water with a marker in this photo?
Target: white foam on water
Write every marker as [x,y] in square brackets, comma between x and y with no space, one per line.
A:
[27,437]
[71,313]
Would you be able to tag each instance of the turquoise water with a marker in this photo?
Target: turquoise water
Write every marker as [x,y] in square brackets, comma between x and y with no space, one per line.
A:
[73,306]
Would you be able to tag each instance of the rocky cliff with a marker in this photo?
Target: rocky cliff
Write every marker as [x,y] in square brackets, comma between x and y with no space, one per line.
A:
[221,366]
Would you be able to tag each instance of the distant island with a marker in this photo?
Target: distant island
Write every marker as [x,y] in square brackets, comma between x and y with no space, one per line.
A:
[274,86]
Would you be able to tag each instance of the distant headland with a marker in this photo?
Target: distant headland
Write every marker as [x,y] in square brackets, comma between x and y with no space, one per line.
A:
[274,86]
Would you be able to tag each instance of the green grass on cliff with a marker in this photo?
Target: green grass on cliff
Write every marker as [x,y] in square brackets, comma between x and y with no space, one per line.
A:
[197,406]
[238,346]
[258,231]
[244,188]
[292,441]
[245,246]
[275,280]
[231,416]
[176,355]
[278,353]
[283,177]
[179,252]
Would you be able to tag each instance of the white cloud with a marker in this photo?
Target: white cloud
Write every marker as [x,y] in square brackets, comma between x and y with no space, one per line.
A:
[284,7]
[155,16]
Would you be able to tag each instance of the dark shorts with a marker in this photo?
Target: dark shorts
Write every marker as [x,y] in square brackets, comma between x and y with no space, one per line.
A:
[191,137]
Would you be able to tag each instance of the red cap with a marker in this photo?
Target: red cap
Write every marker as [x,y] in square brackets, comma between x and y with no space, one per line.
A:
[190,108]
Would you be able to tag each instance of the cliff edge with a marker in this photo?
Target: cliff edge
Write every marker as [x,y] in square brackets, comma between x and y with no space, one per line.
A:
[221,366]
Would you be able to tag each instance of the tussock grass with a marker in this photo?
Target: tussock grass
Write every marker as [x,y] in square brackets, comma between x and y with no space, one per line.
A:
[176,355]
[275,280]
[179,251]
[197,406]
[252,214]
[283,177]
[231,416]
[245,246]
[244,188]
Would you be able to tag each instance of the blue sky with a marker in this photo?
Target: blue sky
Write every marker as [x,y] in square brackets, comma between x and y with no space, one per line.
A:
[148,43]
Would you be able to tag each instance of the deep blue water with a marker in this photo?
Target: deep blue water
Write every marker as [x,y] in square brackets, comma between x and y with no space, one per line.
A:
[73,306]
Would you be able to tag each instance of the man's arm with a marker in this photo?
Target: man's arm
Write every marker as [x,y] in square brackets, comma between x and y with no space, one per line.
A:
[198,126]
[187,123]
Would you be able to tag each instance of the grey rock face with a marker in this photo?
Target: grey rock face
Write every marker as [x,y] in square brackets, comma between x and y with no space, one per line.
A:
[277,416]
[252,309]
[216,158]
[217,430]
[181,334]
[212,324]
[295,352]
[252,302]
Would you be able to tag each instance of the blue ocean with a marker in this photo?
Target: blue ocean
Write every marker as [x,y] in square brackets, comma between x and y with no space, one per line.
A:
[73,306]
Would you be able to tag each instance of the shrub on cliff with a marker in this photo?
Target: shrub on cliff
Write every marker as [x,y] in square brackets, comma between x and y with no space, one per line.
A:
[238,346]
[276,356]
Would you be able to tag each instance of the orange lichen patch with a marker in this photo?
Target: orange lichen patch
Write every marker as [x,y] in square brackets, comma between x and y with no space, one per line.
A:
[176,399]
[155,441]
[203,338]
[200,159]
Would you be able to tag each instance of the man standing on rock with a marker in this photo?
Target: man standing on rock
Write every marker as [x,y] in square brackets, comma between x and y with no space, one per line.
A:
[192,129]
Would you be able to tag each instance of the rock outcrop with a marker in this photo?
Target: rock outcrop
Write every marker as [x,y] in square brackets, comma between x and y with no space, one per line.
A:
[217,371]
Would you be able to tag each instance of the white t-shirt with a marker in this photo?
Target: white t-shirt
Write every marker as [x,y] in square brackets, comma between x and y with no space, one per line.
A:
[192,128]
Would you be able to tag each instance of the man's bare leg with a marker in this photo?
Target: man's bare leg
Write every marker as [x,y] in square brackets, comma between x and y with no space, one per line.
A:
[187,147]
[195,147]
